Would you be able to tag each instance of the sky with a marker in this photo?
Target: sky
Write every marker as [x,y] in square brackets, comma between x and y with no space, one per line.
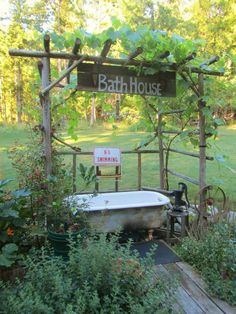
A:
[4,7]
[4,12]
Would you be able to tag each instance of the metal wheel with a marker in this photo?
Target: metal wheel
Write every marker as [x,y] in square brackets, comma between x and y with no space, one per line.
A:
[213,202]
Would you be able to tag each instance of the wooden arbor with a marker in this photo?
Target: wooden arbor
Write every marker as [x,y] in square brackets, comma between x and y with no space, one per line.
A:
[101,73]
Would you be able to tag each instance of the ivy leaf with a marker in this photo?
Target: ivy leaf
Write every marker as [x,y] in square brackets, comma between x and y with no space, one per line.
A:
[5,182]
[116,23]
[52,179]
[8,256]
[4,261]
[9,249]
[219,122]
[207,112]
[70,86]
[151,71]
[200,42]
[194,142]
[9,213]
[177,38]
[21,193]
[221,70]
[220,158]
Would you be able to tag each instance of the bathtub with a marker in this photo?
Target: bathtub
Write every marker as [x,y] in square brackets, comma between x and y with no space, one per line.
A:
[108,212]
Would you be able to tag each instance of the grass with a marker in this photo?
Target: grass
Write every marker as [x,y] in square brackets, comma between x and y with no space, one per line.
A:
[221,171]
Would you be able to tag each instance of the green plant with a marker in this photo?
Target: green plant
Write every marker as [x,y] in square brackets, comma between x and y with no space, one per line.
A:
[87,174]
[64,215]
[46,192]
[215,257]
[100,277]
[14,216]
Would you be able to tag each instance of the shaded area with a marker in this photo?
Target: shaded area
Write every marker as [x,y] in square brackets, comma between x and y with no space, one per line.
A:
[162,254]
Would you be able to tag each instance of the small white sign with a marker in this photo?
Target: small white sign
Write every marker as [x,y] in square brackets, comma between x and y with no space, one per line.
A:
[106,156]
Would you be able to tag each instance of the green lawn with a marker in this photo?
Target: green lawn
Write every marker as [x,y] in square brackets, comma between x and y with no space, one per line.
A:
[222,172]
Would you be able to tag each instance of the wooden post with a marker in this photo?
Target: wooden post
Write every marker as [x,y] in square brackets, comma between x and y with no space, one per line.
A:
[139,171]
[74,173]
[161,152]
[97,179]
[202,143]
[45,101]
[116,179]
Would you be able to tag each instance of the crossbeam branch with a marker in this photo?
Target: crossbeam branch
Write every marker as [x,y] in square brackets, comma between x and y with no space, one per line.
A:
[99,59]
[67,71]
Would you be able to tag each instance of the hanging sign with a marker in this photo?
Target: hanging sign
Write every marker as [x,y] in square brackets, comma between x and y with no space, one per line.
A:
[120,80]
[106,156]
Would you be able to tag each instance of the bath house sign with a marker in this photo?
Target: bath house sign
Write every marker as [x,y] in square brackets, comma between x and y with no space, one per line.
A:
[120,80]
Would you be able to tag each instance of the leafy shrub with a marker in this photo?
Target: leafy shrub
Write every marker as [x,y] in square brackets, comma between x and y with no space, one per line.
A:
[100,277]
[215,257]
[29,162]
[14,215]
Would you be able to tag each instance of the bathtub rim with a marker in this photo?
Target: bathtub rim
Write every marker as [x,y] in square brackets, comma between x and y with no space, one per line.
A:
[150,205]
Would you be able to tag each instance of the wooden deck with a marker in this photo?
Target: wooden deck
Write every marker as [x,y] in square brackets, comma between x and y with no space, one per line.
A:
[191,295]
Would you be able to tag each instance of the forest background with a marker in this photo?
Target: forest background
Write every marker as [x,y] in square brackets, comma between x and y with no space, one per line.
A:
[22,25]
[211,25]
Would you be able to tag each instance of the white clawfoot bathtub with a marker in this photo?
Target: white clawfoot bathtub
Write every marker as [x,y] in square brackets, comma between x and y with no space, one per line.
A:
[107,212]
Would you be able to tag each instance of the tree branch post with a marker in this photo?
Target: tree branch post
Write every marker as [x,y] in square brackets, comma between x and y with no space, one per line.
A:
[45,101]
[202,143]
[161,152]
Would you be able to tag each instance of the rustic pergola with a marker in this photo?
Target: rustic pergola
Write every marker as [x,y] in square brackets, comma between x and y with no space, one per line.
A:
[89,66]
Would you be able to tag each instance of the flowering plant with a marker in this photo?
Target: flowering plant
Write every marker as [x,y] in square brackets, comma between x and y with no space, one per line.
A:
[13,214]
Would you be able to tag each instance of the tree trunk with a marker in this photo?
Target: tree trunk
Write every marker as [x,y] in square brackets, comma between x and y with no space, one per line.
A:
[19,89]
[46,118]
[93,110]
[118,98]
[1,101]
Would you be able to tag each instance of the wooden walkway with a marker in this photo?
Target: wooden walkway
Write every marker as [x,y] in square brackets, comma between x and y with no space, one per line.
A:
[191,295]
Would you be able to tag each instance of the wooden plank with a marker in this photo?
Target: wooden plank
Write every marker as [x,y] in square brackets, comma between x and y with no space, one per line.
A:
[159,85]
[96,68]
[123,152]
[225,307]
[188,153]
[180,132]
[184,302]
[201,298]
[117,79]
[180,175]
[165,192]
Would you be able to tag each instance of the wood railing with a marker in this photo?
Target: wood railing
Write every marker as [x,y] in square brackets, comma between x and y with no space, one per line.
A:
[76,155]
[163,164]
[164,169]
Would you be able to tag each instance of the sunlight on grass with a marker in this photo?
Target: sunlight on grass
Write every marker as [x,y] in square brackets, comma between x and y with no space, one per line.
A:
[219,171]
[232,127]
